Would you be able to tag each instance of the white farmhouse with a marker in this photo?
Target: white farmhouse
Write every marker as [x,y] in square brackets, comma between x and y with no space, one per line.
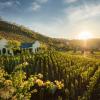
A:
[3,48]
[33,46]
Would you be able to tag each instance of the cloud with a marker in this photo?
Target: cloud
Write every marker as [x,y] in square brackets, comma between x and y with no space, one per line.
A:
[75,19]
[8,4]
[35,6]
[42,1]
[77,13]
[5,4]
[17,2]
[70,1]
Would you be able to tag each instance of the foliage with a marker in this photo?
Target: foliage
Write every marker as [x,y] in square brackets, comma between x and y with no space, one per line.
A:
[13,44]
[49,75]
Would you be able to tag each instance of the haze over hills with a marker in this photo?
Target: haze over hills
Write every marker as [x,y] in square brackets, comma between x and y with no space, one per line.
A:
[12,31]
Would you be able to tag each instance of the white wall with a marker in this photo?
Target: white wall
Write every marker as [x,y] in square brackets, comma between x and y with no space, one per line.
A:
[3,43]
[35,46]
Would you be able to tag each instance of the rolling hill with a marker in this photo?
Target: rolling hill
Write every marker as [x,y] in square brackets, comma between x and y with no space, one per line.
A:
[12,31]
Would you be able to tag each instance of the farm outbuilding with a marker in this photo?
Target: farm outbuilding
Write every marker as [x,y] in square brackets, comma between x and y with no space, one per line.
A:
[33,46]
[4,50]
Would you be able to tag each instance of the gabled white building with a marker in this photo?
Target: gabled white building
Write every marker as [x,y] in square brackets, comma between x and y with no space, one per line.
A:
[4,50]
[33,46]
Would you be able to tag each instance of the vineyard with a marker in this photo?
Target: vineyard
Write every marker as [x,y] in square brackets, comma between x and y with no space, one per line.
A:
[49,75]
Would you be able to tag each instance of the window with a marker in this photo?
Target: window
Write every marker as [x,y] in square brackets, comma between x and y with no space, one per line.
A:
[4,50]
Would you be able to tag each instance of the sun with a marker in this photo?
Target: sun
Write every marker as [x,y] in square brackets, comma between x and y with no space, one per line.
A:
[85,35]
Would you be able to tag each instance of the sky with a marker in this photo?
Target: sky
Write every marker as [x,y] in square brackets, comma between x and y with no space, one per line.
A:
[54,18]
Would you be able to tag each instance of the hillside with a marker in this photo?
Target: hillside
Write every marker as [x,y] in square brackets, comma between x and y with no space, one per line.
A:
[18,32]
[12,31]
[91,43]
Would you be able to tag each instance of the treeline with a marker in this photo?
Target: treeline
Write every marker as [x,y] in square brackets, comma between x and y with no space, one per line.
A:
[91,44]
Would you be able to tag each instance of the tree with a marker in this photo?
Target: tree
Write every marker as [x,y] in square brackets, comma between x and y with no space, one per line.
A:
[44,46]
[13,44]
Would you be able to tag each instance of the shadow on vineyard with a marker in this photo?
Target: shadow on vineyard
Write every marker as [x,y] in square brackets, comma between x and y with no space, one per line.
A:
[49,76]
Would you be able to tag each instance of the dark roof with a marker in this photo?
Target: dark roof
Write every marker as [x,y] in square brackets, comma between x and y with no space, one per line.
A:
[26,45]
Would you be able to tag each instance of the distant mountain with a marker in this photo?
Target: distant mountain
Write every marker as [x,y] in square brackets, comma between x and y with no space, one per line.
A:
[91,43]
